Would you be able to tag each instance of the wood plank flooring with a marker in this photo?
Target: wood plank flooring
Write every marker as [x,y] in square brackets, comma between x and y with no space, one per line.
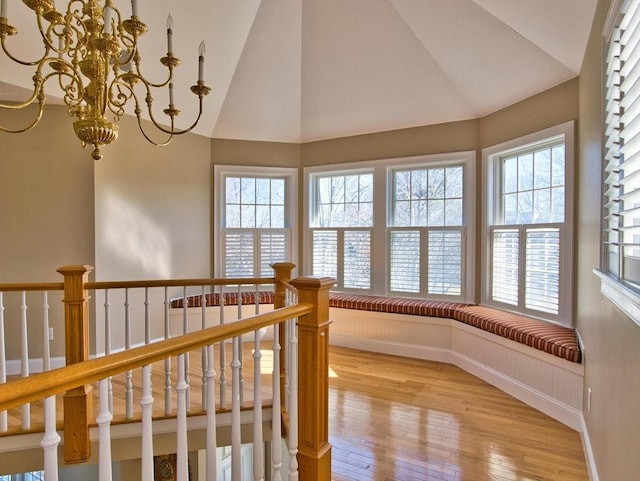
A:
[400,419]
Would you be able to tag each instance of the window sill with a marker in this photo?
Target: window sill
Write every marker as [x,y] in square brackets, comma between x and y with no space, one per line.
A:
[627,300]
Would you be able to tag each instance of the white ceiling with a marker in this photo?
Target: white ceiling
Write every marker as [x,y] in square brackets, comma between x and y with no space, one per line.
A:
[304,70]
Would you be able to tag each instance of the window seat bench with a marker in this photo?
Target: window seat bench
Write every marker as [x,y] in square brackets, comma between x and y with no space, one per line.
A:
[554,339]
[535,361]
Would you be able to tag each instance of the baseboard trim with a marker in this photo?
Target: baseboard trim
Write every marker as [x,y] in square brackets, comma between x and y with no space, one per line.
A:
[36,365]
[588,451]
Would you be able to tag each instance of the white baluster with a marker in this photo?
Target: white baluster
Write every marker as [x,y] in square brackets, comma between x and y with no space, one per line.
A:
[240,372]
[147,317]
[276,429]
[185,329]
[167,361]
[293,400]
[203,311]
[107,340]
[236,438]
[146,402]
[181,431]
[50,440]
[24,358]
[3,364]
[258,441]
[127,345]
[103,420]
[46,351]
[223,356]
[212,443]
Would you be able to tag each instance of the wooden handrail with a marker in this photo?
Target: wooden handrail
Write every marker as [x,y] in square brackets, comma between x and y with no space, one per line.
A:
[39,386]
[178,283]
[32,286]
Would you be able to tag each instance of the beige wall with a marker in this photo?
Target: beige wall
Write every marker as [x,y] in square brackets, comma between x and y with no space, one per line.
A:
[611,340]
[46,216]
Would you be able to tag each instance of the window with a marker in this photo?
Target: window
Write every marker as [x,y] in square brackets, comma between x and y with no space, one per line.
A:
[426,244]
[254,218]
[342,222]
[528,224]
[394,227]
[620,264]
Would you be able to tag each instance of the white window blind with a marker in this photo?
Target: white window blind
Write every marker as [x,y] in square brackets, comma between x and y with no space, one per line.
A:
[250,252]
[426,257]
[622,149]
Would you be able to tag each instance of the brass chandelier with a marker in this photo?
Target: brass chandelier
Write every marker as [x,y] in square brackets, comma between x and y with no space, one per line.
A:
[92,52]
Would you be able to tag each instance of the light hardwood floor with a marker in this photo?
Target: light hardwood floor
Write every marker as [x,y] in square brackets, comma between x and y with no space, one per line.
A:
[400,419]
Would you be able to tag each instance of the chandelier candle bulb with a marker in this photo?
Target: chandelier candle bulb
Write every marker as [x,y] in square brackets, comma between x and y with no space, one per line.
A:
[170,94]
[3,8]
[134,8]
[107,18]
[169,35]
[201,51]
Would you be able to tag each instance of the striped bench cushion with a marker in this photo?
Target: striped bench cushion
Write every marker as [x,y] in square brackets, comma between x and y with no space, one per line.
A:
[230,299]
[557,340]
[397,305]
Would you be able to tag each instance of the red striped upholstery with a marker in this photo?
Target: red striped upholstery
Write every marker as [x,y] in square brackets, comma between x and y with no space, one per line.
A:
[230,299]
[557,340]
[398,305]
[551,338]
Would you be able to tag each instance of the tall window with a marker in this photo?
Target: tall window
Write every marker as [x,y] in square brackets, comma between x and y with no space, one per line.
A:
[342,222]
[254,219]
[528,225]
[620,263]
[394,227]
[426,232]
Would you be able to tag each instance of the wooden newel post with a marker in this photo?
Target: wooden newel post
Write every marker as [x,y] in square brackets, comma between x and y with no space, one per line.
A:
[77,401]
[314,449]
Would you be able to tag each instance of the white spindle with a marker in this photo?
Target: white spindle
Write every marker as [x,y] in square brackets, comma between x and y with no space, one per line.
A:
[185,329]
[258,441]
[236,441]
[24,357]
[147,317]
[223,356]
[181,431]
[46,351]
[107,340]
[212,444]
[203,312]
[240,372]
[167,361]
[146,402]
[127,345]
[3,364]
[50,440]
[276,430]
[104,432]
[285,368]
[293,400]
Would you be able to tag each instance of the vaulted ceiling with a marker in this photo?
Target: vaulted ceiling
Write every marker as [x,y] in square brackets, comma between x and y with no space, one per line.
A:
[305,70]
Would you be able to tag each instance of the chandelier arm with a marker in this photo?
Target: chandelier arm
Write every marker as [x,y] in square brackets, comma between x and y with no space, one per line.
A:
[178,132]
[36,120]
[149,139]
[17,60]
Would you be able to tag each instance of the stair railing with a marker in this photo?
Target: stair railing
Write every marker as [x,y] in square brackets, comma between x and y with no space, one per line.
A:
[80,372]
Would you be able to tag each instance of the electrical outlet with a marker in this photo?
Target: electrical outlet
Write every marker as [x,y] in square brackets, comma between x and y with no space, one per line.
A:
[588,399]
[51,333]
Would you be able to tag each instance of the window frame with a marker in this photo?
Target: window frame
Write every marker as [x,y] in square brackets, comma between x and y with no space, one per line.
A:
[382,215]
[491,202]
[621,294]
[220,173]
